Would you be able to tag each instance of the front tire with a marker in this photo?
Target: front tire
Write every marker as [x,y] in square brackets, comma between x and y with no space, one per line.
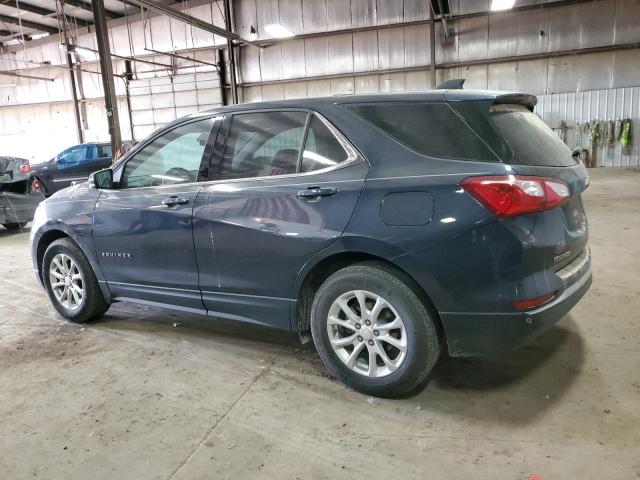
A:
[71,283]
[373,332]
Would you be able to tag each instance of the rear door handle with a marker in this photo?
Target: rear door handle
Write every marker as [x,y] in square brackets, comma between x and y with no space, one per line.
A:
[315,192]
[175,200]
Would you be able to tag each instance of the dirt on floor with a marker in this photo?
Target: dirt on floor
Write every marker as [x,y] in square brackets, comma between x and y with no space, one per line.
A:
[146,393]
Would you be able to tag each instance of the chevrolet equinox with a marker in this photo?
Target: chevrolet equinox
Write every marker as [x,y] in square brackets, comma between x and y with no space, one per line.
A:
[388,228]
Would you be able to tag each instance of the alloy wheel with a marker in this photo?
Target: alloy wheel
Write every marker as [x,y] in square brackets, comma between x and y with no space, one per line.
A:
[66,282]
[367,333]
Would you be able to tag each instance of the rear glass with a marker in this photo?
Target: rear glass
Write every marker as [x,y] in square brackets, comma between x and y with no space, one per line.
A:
[431,129]
[530,139]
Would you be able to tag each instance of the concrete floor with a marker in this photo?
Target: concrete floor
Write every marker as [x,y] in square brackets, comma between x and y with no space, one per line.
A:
[149,394]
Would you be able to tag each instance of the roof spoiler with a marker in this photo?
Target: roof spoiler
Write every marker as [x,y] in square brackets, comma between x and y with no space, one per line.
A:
[524,99]
[453,84]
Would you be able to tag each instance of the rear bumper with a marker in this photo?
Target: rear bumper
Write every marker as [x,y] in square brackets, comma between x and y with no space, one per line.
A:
[18,208]
[480,334]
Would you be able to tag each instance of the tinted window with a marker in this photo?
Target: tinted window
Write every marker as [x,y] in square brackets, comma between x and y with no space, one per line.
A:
[531,140]
[72,157]
[262,144]
[428,128]
[92,152]
[105,151]
[171,158]
[321,149]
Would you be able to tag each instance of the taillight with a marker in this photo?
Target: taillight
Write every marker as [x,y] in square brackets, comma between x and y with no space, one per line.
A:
[512,195]
[533,302]
[25,168]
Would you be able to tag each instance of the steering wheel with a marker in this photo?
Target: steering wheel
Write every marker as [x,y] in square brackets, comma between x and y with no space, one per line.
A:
[181,173]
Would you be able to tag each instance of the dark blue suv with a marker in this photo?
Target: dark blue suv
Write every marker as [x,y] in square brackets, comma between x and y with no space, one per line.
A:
[386,227]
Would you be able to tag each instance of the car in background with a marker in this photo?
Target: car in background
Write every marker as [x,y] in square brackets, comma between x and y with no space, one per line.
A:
[74,164]
[387,228]
[20,192]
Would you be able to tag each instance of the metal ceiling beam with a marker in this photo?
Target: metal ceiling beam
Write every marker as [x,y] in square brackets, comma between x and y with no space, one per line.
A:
[87,6]
[27,7]
[28,24]
[32,77]
[196,22]
[45,12]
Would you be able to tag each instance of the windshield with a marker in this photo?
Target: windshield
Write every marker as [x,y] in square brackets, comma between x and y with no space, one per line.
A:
[530,139]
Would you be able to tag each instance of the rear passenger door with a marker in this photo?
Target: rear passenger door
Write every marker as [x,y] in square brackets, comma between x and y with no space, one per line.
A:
[283,186]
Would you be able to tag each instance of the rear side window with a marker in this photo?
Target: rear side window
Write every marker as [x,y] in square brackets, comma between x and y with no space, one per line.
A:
[431,129]
[321,149]
[530,139]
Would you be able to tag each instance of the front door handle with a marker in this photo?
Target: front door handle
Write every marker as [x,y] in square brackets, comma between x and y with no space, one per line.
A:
[315,192]
[175,200]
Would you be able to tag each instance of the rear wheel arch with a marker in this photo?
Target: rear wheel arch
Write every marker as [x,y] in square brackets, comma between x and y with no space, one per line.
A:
[331,264]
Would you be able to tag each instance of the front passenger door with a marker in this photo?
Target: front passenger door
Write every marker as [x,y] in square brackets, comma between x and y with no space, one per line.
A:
[143,228]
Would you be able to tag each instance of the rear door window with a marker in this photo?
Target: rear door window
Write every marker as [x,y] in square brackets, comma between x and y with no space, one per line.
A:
[432,129]
[530,139]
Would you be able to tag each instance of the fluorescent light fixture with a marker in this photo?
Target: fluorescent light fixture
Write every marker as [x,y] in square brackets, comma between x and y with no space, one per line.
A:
[38,35]
[9,85]
[278,31]
[502,4]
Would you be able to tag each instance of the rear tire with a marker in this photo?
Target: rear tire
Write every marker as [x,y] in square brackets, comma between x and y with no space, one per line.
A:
[71,283]
[390,349]
[14,226]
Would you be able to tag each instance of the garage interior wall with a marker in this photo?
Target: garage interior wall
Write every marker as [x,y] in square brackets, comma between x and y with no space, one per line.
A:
[344,47]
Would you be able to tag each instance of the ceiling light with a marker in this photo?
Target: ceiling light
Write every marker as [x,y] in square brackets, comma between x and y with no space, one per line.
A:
[278,31]
[39,35]
[9,85]
[502,4]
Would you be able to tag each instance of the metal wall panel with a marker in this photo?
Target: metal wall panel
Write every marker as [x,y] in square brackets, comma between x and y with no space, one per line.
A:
[245,16]
[391,48]
[532,76]
[627,17]
[314,15]
[564,28]
[563,74]
[271,63]
[365,51]
[291,15]
[268,13]
[596,24]
[390,11]
[417,50]
[595,71]
[340,49]
[416,10]
[293,59]
[472,38]
[363,13]
[502,35]
[502,76]
[533,31]
[316,52]
[338,14]
[367,84]
[342,86]
[626,64]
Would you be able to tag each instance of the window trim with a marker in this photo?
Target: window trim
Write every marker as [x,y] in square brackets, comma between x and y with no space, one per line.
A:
[118,169]
[353,156]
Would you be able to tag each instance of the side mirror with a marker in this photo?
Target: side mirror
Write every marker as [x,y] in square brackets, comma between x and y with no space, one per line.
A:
[102,178]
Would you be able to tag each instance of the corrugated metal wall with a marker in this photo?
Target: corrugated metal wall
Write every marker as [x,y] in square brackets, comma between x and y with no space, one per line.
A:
[601,105]
[392,53]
